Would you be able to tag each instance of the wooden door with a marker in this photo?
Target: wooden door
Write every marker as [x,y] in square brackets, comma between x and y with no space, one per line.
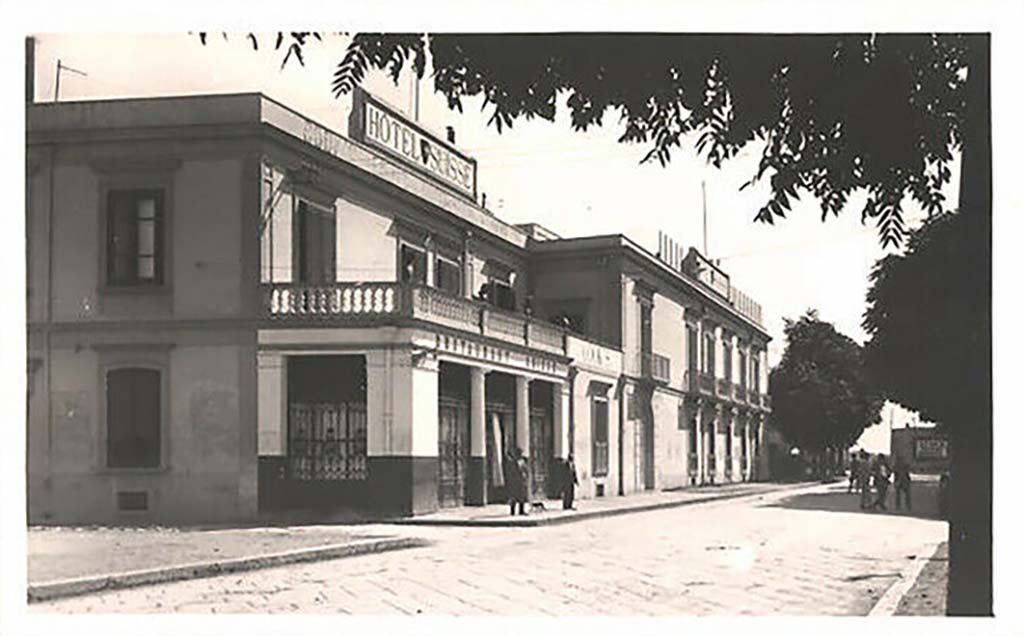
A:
[453,447]
[540,453]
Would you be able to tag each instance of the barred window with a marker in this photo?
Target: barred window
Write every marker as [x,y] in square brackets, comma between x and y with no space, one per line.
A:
[327,441]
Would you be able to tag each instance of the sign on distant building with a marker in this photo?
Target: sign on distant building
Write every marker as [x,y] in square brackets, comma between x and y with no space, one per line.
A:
[931,448]
[375,124]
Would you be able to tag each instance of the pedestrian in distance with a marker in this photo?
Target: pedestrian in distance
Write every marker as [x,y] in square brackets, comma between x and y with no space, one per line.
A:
[901,482]
[570,483]
[944,496]
[881,479]
[864,480]
[854,468]
[515,481]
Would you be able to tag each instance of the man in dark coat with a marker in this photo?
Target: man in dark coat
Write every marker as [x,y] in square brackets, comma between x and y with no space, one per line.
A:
[570,483]
[901,481]
[516,481]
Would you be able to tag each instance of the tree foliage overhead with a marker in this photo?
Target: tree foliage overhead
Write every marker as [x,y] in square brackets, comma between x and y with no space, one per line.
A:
[925,316]
[832,114]
[821,393]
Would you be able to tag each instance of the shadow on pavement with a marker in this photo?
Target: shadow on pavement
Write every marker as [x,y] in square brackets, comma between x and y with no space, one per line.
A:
[924,499]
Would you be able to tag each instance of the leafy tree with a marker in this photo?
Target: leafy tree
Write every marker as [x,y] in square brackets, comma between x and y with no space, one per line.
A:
[832,114]
[822,399]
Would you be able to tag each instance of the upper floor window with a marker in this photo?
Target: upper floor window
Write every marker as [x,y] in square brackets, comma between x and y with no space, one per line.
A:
[133,418]
[743,369]
[314,243]
[691,348]
[135,225]
[709,353]
[448,276]
[756,372]
[646,327]
[727,360]
[414,264]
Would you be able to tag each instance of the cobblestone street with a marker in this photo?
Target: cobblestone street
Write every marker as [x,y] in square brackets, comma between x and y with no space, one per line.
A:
[807,553]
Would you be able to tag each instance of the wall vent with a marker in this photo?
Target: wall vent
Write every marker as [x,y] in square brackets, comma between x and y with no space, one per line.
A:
[133,500]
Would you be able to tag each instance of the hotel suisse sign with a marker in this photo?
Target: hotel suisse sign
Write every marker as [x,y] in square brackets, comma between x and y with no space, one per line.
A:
[375,124]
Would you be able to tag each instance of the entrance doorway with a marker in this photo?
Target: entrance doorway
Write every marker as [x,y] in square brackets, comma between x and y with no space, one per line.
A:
[453,448]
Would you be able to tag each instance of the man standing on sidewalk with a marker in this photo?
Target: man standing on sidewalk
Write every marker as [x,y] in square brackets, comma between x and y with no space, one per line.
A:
[854,477]
[901,478]
[863,480]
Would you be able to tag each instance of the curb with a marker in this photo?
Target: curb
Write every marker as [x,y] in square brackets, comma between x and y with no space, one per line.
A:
[592,514]
[890,601]
[87,585]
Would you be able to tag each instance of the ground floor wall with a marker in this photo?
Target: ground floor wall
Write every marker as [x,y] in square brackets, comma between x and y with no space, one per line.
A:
[207,469]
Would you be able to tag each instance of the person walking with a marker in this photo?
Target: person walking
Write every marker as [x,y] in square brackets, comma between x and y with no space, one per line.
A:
[864,480]
[854,479]
[881,478]
[515,481]
[901,481]
[569,486]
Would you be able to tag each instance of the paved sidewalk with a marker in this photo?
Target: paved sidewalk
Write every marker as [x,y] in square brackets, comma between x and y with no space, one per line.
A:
[928,595]
[63,553]
[497,515]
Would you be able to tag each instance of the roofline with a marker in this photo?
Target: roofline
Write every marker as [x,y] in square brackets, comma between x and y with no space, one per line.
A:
[649,260]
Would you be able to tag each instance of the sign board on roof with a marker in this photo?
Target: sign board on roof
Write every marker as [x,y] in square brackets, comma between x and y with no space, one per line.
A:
[375,124]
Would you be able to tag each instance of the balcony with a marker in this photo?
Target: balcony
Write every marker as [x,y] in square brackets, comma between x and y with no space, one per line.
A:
[737,392]
[723,388]
[339,304]
[766,401]
[654,367]
[753,398]
[706,383]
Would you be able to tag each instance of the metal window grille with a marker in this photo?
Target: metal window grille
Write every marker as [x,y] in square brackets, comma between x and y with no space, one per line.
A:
[327,441]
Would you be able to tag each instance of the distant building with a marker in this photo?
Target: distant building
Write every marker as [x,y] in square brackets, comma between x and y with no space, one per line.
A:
[232,308]
[925,448]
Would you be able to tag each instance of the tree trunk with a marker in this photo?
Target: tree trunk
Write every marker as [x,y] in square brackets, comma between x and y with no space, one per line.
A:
[970,527]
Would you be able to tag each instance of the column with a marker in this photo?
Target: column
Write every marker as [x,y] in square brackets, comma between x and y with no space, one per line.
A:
[476,466]
[696,442]
[272,404]
[560,419]
[730,452]
[523,414]
[762,457]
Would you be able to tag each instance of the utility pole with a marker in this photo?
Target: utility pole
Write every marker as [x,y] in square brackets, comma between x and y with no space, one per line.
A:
[64,67]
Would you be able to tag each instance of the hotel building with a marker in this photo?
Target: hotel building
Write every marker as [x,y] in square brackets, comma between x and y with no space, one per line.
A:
[234,309]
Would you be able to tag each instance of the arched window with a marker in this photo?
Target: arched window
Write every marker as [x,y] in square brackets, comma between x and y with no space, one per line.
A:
[133,418]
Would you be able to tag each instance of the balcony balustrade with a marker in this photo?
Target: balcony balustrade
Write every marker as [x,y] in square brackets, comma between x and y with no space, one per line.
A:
[753,398]
[706,383]
[766,401]
[723,388]
[737,392]
[654,366]
[341,303]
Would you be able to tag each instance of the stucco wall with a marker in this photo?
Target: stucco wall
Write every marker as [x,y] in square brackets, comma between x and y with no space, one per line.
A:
[209,442]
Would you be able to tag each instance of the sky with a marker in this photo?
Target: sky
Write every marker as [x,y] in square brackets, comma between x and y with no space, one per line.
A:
[573,183]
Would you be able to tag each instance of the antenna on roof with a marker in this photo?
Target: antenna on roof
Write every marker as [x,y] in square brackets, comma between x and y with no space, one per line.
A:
[60,67]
